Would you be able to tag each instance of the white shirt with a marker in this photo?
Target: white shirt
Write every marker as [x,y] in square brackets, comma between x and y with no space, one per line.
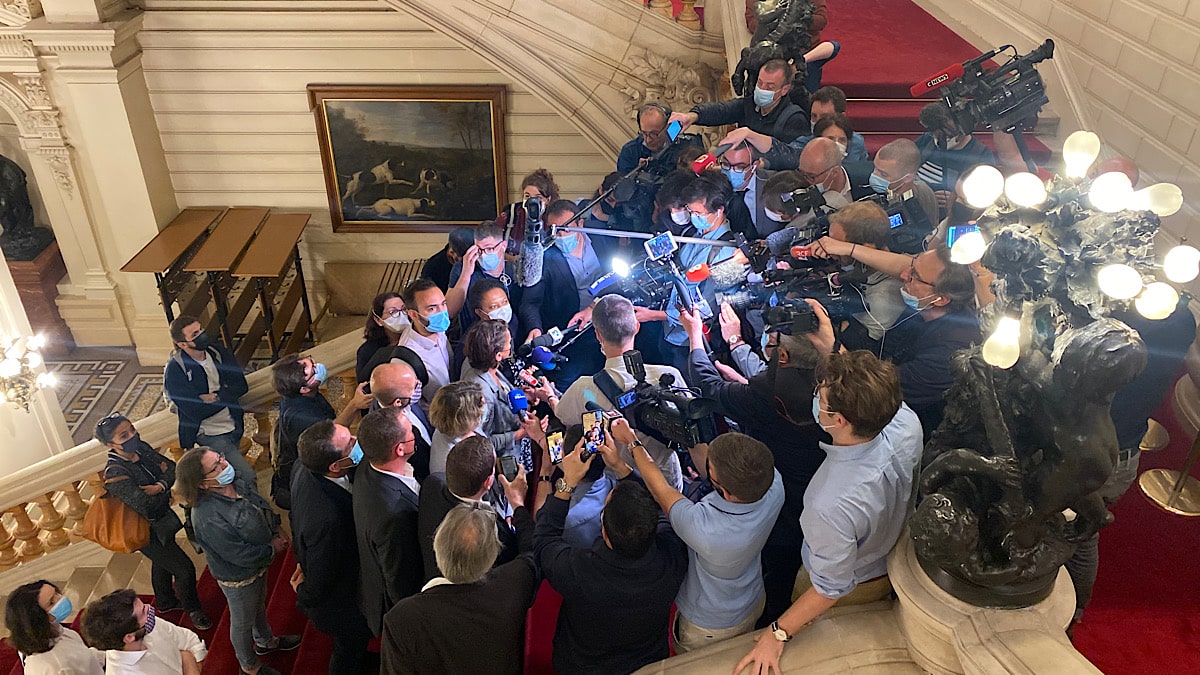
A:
[435,354]
[407,479]
[161,656]
[418,426]
[342,482]
[222,422]
[68,656]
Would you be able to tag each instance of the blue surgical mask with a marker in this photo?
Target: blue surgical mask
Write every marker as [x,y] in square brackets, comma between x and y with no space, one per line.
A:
[737,178]
[226,476]
[762,341]
[61,609]
[879,184]
[501,313]
[439,322]
[848,268]
[913,301]
[699,222]
[490,261]
[566,244]
[356,453]
[763,98]
[816,411]
[320,373]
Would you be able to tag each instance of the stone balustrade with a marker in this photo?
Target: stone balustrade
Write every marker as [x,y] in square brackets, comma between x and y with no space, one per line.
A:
[56,481]
[687,17]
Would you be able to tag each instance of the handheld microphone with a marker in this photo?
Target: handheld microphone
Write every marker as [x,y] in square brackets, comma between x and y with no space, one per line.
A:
[937,79]
[529,262]
[546,359]
[709,159]
[780,242]
[518,403]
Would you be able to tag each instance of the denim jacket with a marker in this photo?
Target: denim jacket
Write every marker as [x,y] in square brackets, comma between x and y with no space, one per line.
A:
[235,533]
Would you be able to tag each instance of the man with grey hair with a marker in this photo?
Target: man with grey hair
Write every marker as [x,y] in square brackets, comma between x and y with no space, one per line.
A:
[616,329]
[472,619]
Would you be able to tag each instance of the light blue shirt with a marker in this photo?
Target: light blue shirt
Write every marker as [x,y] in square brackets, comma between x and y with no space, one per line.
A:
[691,255]
[582,526]
[856,504]
[585,270]
[725,540]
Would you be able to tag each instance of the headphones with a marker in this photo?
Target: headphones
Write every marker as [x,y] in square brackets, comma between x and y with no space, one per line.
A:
[654,105]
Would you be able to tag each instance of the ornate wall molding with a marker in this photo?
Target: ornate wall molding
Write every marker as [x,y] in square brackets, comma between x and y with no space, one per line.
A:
[19,12]
[27,100]
[654,77]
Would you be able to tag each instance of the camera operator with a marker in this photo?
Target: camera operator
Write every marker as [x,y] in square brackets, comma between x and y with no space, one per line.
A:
[895,173]
[652,119]
[773,406]
[947,152]
[561,298]
[707,198]
[939,320]
[865,224]
[856,505]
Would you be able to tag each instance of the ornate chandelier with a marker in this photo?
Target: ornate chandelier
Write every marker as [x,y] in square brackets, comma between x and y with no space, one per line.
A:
[19,365]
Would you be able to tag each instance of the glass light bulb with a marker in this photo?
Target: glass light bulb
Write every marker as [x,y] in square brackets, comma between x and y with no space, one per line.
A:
[983,186]
[1182,264]
[1079,151]
[1157,301]
[36,342]
[1003,347]
[33,359]
[1164,199]
[1025,189]
[1119,281]
[9,367]
[968,248]
[620,267]
[1111,192]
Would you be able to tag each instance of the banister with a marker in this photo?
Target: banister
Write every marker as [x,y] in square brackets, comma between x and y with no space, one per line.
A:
[159,430]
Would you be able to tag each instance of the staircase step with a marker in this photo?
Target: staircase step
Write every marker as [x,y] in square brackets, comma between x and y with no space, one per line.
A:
[117,575]
[80,587]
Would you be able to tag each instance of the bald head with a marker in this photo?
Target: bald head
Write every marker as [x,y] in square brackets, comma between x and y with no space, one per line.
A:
[820,154]
[392,381]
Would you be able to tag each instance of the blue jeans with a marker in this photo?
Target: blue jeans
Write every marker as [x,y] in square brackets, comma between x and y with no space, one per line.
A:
[248,620]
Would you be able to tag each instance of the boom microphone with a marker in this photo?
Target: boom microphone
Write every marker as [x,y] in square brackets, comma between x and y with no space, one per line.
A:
[938,79]
[529,262]
[780,243]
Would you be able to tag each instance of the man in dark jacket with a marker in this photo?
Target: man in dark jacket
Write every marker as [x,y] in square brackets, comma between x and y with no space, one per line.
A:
[385,515]
[326,577]
[205,381]
[766,110]
[471,619]
[617,596]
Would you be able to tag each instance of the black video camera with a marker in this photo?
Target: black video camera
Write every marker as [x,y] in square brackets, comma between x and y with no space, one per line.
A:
[672,414]
[1006,98]
[793,316]
[907,219]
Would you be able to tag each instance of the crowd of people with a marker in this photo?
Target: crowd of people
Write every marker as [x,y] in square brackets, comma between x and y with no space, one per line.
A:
[429,509]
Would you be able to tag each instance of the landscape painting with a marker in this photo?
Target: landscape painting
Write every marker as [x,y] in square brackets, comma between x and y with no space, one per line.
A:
[411,159]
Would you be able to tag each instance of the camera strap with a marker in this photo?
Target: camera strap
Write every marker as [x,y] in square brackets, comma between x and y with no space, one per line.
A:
[608,387]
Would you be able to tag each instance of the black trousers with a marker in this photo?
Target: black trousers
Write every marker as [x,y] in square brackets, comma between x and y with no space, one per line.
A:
[172,574]
[350,635]
[780,564]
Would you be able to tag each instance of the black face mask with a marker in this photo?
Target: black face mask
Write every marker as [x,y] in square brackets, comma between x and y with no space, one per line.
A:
[131,446]
[607,208]
[202,341]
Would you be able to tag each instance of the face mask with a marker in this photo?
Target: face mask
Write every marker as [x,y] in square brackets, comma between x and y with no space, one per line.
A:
[149,625]
[680,217]
[226,476]
[131,446]
[699,222]
[775,217]
[61,609]
[396,324]
[607,208]
[356,454]
[566,244]
[501,313]
[913,301]
[737,178]
[763,342]
[438,323]
[879,184]
[320,373]
[202,341]
[848,268]
[817,414]
[490,261]
[763,98]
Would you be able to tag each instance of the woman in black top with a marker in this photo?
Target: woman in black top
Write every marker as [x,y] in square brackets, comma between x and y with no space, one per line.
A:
[142,478]
[383,329]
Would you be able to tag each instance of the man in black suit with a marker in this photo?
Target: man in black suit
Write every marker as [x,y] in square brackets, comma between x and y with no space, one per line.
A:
[470,478]
[562,298]
[747,216]
[385,522]
[395,385]
[326,577]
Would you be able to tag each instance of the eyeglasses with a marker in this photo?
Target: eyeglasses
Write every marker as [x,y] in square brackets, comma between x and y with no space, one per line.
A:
[651,135]
[912,273]
[389,313]
[726,166]
[492,249]
[814,178]
[401,401]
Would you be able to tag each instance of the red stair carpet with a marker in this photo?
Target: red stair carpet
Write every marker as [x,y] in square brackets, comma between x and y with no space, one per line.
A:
[887,46]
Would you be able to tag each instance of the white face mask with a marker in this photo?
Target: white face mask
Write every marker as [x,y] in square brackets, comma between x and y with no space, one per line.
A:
[681,217]
[501,313]
[396,323]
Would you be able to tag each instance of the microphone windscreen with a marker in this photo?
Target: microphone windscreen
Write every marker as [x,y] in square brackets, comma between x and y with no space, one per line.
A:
[542,355]
[727,275]
[703,163]
[592,406]
[697,273]
[529,264]
[780,242]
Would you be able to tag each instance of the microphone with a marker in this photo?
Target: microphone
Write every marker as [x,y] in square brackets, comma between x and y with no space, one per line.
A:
[938,79]
[518,403]
[709,159]
[529,262]
[546,359]
[780,242]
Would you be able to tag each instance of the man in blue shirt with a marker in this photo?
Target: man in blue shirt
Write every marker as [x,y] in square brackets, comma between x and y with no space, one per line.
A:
[856,504]
[947,152]
[722,595]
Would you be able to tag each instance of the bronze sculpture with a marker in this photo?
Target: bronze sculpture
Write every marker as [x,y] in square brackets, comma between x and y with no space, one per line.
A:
[21,240]
[782,34]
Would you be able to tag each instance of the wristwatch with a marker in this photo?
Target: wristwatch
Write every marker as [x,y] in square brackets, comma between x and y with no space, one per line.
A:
[734,340]
[779,633]
[545,479]
[562,486]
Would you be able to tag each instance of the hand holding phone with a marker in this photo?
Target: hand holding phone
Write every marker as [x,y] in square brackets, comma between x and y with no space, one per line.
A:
[554,446]
[508,467]
[593,432]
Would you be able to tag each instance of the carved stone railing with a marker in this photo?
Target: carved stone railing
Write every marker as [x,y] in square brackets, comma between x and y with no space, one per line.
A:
[52,489]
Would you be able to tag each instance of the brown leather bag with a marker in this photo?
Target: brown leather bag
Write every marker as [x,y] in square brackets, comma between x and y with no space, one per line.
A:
[112,524]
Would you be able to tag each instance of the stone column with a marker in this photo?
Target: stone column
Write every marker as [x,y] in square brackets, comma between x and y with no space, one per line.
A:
[96,73]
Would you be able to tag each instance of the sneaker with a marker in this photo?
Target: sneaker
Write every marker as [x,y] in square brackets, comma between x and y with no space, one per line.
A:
[264,670]
[283,643]
[200,620]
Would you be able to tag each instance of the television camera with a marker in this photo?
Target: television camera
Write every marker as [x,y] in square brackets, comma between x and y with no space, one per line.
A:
[672,414]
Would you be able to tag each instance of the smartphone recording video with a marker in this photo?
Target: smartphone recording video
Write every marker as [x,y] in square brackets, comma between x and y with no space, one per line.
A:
[554,443]
[508,467]
[593,432]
